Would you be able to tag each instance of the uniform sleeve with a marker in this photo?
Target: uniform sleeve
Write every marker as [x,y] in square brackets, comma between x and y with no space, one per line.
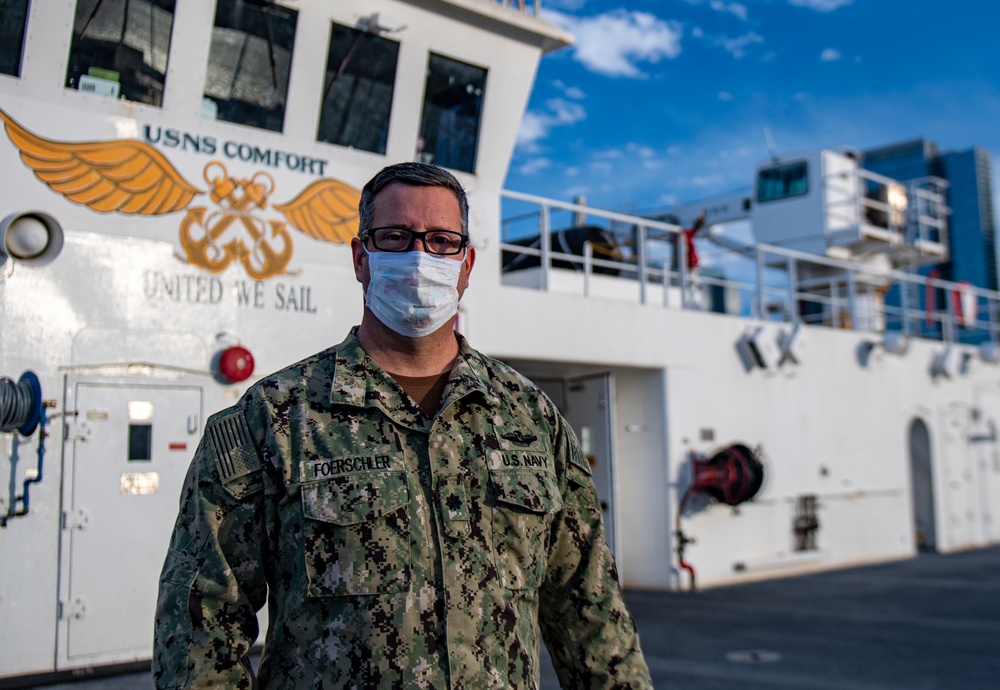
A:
[213,580]
[587,628]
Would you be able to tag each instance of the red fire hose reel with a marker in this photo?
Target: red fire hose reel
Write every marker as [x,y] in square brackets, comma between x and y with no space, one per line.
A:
[732,476]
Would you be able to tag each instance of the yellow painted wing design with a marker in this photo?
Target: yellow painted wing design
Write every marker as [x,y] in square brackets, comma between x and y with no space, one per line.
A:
[126,175]
[325,210]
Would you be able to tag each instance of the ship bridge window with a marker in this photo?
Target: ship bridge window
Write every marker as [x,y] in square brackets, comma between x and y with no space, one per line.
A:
[453,107]
[249,62]
[13,18]
[357,95]
[782,182]
[120,48]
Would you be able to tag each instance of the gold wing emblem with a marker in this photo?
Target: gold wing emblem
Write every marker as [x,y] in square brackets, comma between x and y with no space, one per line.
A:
[325,210]
[126,176]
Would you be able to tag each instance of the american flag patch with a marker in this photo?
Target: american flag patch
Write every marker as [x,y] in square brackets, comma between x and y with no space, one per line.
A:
[234,453]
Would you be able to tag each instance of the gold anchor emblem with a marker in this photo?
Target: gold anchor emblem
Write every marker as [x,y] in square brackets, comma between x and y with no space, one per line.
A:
[211,240]
[132,177]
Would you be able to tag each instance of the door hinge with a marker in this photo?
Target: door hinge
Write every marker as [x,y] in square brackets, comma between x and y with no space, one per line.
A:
[78,519]
[72,609]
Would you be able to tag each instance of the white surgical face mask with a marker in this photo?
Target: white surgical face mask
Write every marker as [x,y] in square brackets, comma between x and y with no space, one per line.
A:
[413,293]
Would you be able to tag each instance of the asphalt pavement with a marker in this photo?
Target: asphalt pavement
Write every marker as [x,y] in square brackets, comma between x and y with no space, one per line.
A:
[919,624]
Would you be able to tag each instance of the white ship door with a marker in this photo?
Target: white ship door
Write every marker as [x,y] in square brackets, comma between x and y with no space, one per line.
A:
[131,446]
[958,472]
[988,482]
[987,450]
[588,410]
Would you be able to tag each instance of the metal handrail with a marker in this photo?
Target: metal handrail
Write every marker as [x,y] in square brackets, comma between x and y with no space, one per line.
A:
[530,6]
[847,295]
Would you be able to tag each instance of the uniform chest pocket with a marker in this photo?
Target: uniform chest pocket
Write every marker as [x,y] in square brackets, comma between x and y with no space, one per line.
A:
[525,502]
[357,534]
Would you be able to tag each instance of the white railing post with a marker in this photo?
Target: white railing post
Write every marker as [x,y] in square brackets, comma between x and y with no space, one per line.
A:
[991,314]
[682,272]
[949,326]
[588,266]
[640,255]
[759,253]
[904,306]
[545,245]
[793,289]
[852,306]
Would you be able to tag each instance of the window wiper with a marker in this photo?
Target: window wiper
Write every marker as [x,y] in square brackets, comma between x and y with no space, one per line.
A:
[342,67]
[93,14]
[265,6]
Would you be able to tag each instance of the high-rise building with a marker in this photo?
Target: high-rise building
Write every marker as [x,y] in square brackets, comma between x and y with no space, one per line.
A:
[972,249]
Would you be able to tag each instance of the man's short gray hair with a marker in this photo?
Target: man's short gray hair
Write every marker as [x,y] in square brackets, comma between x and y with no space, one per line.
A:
[414,175]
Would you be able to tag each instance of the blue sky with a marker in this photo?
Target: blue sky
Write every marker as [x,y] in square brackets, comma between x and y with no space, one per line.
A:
[664,101]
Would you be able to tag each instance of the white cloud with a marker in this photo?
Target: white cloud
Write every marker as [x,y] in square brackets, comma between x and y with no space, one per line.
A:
[610,154]
[821,5]
[573,92]
[703,181]
[725,96]
[830,55]
[615,42]
[534,127]
[737,46]
[536,124]
[535,165]
[734,8]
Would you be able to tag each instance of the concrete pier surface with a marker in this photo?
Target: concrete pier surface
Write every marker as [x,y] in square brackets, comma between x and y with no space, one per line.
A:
[918,624]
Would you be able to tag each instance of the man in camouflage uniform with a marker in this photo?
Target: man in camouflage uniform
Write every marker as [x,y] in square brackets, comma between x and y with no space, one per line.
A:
[413,529]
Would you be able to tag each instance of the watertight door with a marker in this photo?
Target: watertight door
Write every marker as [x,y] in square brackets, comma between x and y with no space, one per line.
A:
[961,497]
[131,446]
[589,411]
[986,444]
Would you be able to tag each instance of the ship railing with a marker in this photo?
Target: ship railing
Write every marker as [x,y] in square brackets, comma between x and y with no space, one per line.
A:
[552,245]
[528,6]
[912,217]
[870,297]
[927,211]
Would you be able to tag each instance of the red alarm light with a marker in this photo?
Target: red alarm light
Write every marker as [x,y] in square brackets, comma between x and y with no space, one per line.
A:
[236,364]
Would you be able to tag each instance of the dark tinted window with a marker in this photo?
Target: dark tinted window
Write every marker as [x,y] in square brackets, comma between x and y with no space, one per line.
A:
[357,97]
[782,182]
[249,63]
[453,106]
[140,442]
[120,48]
[13,18]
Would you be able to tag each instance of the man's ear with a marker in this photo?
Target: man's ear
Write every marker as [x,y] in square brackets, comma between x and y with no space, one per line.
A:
[360,260]
[469,261]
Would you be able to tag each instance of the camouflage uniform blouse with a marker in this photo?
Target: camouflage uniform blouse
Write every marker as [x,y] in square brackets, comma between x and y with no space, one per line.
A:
[394,550]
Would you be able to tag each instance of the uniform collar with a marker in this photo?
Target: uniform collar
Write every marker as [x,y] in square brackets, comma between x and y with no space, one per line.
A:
[359,382]
[469,376]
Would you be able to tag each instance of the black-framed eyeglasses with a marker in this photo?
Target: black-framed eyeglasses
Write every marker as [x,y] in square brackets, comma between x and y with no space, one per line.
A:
[440,242]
